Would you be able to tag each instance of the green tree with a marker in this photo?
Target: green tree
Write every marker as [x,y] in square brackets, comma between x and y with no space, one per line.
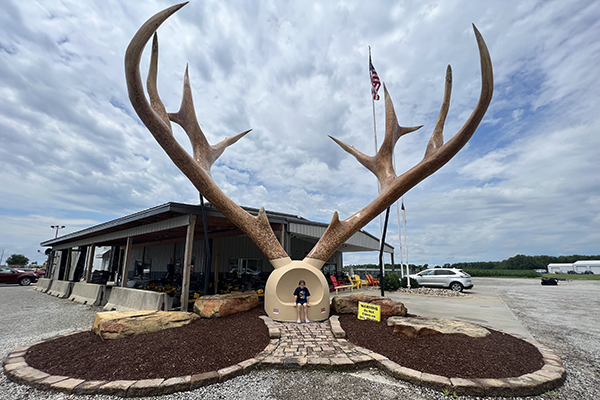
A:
[17,259]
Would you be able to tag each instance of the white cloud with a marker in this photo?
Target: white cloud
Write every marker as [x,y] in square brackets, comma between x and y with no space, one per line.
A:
[72,149]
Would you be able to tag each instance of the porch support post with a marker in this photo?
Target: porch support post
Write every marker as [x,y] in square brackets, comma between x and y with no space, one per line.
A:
[90,263]
[68,265]
[126,261]
[50,265]
[187,263]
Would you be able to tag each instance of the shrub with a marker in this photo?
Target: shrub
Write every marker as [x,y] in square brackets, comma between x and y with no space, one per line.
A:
[413,283]
[391,282]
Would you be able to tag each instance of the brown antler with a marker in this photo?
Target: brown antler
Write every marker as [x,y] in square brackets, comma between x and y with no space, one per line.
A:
[436,155]
[197,169]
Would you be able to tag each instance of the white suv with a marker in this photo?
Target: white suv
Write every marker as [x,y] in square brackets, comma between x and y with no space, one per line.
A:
[452,278]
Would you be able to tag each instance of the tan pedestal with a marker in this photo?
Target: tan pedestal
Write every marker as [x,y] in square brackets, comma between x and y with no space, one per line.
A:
[279,291]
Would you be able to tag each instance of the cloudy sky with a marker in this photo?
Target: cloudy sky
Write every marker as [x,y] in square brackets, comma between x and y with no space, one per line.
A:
[73,152]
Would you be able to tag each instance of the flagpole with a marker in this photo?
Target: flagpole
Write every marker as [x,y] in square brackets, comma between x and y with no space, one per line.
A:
[375,85]
[405,244]
[400,241]
[375,138]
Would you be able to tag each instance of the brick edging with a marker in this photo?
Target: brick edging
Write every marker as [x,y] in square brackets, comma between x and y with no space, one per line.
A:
[17,370]
[549,377]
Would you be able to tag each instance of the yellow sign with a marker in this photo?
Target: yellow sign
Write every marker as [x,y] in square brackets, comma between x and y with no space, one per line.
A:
[369,311]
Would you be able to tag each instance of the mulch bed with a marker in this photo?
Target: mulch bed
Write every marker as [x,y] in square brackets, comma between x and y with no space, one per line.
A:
[202,346]
[212,344]
[497,355]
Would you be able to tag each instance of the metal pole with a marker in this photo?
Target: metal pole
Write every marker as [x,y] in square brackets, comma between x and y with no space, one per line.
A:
[375,141]
[381,266]
[207,258]
[406,247]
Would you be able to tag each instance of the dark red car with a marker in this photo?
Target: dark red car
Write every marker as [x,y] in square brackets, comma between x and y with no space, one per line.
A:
[38,272]
[12,275]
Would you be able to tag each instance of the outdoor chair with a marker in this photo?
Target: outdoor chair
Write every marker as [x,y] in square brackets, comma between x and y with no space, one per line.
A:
[372,281]
[363,282]
[339,285]
[356,284]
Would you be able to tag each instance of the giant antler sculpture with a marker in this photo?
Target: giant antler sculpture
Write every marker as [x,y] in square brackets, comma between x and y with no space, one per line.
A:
[279,289]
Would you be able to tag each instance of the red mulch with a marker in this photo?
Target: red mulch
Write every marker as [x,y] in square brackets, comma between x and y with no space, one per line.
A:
[497,355]
[212,344]
[202,346]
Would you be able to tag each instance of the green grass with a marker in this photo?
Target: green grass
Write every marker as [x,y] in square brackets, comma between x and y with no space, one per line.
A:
[502,273]
[574,277]
[517,273]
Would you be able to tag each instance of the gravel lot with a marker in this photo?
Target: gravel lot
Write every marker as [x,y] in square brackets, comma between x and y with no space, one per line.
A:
[566,318]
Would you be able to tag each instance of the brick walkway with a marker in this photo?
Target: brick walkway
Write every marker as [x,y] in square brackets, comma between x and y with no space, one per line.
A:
[316,344]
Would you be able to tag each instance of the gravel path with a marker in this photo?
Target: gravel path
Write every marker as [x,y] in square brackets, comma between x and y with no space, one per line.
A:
[566,318]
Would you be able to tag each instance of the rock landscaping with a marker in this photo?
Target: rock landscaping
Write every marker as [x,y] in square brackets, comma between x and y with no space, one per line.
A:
[170,360]
[349,304]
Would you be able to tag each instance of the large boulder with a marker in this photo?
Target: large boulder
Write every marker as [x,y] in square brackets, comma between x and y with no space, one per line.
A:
[121,324]
[349,304]
[424,326]
[220,305]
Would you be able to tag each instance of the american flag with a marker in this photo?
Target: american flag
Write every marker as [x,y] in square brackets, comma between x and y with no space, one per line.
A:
[375,82]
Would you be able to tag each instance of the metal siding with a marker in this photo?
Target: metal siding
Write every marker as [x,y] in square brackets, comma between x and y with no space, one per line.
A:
[307,230]
[359,239]
[140,230]
[240,247]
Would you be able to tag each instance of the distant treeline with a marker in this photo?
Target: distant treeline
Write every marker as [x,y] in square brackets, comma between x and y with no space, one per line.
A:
[518,262]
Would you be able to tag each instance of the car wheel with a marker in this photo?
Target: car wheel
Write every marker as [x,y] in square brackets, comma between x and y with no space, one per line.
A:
[25,281]
[456,286]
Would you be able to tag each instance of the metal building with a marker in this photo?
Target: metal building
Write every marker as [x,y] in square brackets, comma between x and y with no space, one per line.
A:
[151,245]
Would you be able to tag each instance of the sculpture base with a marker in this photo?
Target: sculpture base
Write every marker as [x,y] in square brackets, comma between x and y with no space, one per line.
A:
[279,292]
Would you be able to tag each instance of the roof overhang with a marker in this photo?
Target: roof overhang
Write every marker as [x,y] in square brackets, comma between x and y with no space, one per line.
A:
[168,223]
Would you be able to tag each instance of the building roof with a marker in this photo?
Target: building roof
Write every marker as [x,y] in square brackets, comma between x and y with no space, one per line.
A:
[167,223]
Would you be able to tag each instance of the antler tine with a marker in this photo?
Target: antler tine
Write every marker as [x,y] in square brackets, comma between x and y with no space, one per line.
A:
[381,165]
[367,161]
[393,132]
[458,141]
[134,80]
[186,118]
[436,156]
[155,101]
[204,153]
[197,169]
[437,137]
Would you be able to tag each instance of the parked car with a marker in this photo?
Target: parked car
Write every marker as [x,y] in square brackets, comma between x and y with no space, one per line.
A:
[451,278]
[549,281]
[12,275]
[39,272]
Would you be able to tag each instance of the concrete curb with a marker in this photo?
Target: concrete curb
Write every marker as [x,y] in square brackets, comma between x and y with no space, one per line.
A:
[60,289]
[549,377]
[88,293]
[43,284]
